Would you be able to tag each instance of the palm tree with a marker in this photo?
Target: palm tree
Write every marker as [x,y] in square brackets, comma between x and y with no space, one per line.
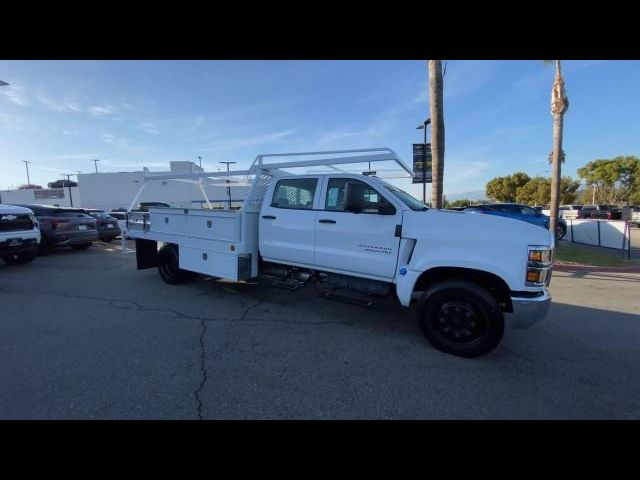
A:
[437,130]
[559,106]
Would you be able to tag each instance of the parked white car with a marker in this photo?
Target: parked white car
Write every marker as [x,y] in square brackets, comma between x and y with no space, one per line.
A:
[19,234]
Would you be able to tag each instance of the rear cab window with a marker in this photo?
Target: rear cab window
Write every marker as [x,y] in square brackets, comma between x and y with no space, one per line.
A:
[295,193]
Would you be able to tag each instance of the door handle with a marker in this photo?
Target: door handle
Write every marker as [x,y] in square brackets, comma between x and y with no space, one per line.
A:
[268,217]
[326,220]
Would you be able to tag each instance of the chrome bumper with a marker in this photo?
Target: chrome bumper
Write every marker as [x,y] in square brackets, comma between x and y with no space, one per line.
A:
[527,311]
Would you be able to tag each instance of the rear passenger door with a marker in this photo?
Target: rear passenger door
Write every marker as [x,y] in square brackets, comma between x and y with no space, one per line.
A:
[287,221]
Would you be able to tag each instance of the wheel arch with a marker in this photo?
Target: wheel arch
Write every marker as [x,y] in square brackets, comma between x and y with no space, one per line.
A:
[492,282]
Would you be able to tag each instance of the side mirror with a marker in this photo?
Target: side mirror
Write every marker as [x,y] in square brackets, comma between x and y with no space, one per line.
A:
[353,197]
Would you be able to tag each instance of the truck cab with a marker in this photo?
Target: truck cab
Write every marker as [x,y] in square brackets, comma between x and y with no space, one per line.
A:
[465,273]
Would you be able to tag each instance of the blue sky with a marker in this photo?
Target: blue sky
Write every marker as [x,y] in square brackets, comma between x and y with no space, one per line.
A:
[129,114]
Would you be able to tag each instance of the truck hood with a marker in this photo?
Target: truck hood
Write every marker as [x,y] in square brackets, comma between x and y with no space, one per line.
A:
[472,240]
[477,226]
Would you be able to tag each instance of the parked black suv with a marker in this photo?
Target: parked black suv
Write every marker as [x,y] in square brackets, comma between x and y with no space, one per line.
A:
[108,228]
[64,226]
[600,212]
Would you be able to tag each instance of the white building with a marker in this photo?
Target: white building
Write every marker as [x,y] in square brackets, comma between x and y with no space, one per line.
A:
[109,191]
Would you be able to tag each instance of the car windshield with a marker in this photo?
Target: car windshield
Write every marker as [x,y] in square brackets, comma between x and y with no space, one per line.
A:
[404,197]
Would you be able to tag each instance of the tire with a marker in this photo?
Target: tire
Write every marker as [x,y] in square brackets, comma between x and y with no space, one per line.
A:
[107,239]
[168,268]
[561,231]
[461,318]
[81,246]
[20,258]
[44,247]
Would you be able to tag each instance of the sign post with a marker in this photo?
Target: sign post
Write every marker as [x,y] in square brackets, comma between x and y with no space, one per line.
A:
[422,162]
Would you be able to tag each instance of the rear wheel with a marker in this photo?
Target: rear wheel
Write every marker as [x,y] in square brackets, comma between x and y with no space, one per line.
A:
[168,266]
[461,318]
[107,239]
[82,246]
[561,231]
[20,258]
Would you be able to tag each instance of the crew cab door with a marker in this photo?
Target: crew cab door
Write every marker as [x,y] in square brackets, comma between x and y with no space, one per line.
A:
[287,221]
[364,243]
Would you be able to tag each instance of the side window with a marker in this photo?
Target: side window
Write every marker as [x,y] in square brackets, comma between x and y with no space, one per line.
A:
[295,193]
[373,201]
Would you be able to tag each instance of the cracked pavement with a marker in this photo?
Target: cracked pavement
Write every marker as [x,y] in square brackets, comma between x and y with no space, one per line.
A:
[85,335]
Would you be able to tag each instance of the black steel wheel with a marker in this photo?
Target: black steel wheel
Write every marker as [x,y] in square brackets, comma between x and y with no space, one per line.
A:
[461,318]
[168,266]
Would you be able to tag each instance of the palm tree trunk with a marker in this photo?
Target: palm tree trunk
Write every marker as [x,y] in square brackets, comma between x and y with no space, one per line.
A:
[556,173]
[559,105]
[436,105]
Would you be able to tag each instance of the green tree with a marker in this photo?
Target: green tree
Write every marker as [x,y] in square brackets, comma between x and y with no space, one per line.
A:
[615,180]
[536,191]
[568,190]
[459,203]
[505,189]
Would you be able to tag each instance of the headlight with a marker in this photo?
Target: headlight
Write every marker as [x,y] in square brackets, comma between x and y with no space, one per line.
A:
[539,265]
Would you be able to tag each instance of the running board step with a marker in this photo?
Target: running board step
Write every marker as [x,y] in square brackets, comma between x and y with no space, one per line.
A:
[350,297]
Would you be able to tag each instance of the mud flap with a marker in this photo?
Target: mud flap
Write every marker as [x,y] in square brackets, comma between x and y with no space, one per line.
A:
[146,253]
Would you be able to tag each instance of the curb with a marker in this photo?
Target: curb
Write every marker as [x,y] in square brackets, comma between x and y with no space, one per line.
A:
[568,267]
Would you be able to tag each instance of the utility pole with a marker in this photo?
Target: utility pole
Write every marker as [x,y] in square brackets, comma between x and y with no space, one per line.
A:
[95,163]
[200,160]
[228,188]
[26,163]
[68,175]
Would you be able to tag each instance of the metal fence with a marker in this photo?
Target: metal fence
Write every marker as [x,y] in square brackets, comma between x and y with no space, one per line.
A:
[614,234]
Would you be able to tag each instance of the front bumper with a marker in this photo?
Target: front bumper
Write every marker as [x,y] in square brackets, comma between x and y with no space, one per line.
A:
[527,310]
[75,238]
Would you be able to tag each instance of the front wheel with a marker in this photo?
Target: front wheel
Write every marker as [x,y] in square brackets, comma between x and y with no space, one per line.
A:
[168,266]
[461,318]
[82,246]
[20,258]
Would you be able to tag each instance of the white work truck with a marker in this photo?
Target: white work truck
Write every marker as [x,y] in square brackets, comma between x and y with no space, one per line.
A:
[466,273]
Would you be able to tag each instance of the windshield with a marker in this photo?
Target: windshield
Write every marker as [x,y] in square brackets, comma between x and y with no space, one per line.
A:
[404,197]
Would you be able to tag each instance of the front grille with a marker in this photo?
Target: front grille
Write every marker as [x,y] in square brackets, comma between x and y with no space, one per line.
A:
[244,267]
[14,223]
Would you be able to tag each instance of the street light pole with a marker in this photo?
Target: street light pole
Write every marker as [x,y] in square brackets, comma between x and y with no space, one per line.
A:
[200,160]
[228,188]
[95,163]
[68,175]
[26,163]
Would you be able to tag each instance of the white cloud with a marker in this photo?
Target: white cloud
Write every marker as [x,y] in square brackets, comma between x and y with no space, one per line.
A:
[248,140]
[148,127]
[15,95]
[64,106]
[102,110]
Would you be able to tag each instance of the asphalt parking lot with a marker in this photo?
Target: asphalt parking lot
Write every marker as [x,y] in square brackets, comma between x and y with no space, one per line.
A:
[84,335]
